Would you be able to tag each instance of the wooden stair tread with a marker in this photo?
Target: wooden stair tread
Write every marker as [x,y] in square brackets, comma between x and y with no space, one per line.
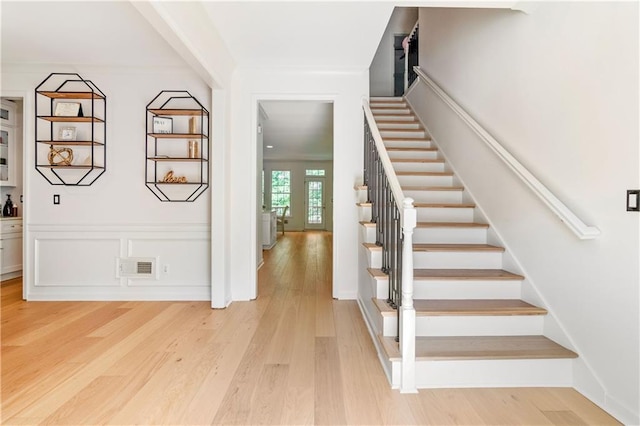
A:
[451,225]
[438,224]
[400,139]
[424,173]
[410,149]
[444,205]
[434,348]
[444,247]
[455,274]
[432,188]
[466,307]
[416,160]
[456,247]
[413,121]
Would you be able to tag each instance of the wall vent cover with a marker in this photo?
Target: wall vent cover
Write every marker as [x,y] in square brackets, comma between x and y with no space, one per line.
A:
[137,267]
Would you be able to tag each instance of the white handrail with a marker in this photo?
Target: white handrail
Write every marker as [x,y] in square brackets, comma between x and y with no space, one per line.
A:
[583,231]
[384,157]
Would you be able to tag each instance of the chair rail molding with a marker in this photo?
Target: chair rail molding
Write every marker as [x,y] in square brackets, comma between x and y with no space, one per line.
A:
[570,219]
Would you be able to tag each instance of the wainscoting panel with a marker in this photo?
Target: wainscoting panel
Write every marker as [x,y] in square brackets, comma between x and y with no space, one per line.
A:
[81,262]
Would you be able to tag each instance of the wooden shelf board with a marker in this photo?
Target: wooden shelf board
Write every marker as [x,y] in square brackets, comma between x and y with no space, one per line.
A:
[71,119]
[194,112]
[178,159]
[49,166]
[71,143]
[178,135]
[177,183]
[71,95]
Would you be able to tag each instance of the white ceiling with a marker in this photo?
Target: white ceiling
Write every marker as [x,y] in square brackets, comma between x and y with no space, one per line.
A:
[302,34]
[109,33]
[298,130]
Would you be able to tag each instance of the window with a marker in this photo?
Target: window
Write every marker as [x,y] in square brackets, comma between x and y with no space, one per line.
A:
[281,191]
[315,172]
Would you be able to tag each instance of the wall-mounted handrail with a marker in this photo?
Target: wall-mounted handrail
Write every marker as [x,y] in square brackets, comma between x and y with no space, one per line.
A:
[573,222]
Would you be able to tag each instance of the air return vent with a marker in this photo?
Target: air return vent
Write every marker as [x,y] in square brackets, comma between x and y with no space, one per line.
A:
[137,267]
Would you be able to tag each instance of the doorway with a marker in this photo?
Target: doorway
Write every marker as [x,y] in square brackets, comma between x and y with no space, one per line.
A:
[295,167]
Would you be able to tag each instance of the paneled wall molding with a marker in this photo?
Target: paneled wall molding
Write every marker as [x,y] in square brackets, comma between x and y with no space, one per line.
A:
[573,222]
[90,267]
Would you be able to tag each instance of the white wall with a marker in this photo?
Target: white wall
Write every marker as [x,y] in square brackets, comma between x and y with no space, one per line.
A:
[72,247]
[346,90]
[381,71]
[298,170]
[559,89]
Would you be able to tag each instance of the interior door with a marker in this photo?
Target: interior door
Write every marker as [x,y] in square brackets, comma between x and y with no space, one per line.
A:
[314,203]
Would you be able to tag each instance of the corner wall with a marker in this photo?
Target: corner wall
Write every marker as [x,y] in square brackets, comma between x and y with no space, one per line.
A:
[72,247]
[559,89]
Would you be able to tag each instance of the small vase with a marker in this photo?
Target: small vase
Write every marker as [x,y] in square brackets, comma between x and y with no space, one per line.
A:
[7,210]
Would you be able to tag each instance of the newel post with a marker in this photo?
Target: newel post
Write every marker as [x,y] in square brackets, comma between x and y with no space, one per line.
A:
[407,311]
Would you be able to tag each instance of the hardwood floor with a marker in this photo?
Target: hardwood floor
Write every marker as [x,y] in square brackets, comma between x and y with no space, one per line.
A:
[294,356]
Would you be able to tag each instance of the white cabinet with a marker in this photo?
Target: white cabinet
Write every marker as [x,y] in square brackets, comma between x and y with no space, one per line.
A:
[7,144]
[269,233]
[11,247]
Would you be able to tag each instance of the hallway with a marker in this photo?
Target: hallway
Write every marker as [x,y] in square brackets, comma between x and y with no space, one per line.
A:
[294,356]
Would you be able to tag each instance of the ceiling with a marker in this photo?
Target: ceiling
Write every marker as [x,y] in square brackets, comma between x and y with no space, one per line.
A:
[301,34]
[97,33]
[298,130]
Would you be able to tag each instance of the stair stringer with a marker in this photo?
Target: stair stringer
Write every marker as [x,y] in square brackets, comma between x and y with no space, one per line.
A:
[552,328]
[366,294]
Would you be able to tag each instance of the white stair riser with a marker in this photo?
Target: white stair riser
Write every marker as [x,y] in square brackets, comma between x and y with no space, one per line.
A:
[446,260]
[445,214]
[416,155]
[450,235]
[389,104]
[405,125]
[401,117]
[457,260]
[417,166]
[454,196]
[387,134]
[413,180]
[436,235]
[490,373]
[450,289]
[364,213]
[390,111]
[499,325]
[368,234]
[401,143]
[361,195]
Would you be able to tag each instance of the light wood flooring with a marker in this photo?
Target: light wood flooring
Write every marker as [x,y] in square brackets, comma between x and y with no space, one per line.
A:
[294,356]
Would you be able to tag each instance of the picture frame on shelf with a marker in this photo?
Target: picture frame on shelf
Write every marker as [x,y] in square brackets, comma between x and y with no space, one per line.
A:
[68,109]
[162,125]
[67,133]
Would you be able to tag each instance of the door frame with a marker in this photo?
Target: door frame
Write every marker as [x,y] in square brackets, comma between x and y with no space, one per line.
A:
[323,225]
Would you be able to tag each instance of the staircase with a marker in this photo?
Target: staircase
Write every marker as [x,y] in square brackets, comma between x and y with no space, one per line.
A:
[472,328]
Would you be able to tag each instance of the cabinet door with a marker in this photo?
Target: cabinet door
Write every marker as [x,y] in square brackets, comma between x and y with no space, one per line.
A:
[7,156]
[11,249]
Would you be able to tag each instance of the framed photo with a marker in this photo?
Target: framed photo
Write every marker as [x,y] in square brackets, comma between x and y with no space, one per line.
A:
[67,134]
[162,125]
[67,109]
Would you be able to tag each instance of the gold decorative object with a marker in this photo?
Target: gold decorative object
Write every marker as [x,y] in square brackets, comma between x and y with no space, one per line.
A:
[60,157]
[194,152]
[170,178]
[193,125]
